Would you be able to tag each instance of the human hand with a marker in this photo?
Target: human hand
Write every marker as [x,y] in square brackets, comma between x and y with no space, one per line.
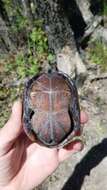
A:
[25,164]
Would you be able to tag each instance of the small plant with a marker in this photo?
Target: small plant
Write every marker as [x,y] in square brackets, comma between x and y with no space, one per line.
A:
[100,6]
[31,43]
[98,54]
[105,10]
[20,24]
[27,62]
[105,7]
[38,40]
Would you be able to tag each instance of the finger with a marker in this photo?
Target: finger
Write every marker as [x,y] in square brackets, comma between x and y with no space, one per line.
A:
[13,127]
[83,117]
[70,149]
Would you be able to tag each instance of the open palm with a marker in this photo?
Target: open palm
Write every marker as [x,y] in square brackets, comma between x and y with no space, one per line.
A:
[23,164]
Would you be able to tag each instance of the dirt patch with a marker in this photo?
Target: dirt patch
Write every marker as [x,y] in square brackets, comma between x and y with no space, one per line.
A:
[87,170]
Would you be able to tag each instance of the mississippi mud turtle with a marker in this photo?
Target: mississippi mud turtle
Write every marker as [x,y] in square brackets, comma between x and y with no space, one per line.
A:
[51,111]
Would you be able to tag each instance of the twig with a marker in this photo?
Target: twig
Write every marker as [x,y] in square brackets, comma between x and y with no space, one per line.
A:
[91,28]
[98,78]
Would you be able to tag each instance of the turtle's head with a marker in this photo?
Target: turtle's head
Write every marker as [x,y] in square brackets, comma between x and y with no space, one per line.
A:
[50,67]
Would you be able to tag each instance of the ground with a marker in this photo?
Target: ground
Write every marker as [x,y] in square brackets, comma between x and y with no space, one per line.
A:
[87,170]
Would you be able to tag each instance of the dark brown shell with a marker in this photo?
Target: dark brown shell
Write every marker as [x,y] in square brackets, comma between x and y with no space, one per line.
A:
[51,110]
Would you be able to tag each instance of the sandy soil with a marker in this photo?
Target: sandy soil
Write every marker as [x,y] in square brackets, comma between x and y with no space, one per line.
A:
[87,170]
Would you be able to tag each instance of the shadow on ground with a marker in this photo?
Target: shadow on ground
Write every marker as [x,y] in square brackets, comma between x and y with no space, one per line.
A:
[82,169]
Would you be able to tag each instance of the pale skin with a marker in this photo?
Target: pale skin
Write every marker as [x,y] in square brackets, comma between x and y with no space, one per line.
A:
[25,164]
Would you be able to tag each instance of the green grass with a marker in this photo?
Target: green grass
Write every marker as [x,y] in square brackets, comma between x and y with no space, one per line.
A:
[105,8]
[98,54]
[7,97]
[28,62]
[102,6]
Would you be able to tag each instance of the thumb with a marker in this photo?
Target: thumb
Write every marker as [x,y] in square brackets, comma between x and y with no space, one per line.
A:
[13,127]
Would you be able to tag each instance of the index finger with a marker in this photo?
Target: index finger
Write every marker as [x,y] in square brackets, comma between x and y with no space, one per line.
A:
[13,127]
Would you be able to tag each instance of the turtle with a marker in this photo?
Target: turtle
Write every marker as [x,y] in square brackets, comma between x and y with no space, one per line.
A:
[51,111]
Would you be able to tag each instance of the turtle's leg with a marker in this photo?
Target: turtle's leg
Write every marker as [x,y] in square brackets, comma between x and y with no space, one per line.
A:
[71,138]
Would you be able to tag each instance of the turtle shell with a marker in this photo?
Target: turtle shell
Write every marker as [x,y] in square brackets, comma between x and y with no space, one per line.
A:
[51,111]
